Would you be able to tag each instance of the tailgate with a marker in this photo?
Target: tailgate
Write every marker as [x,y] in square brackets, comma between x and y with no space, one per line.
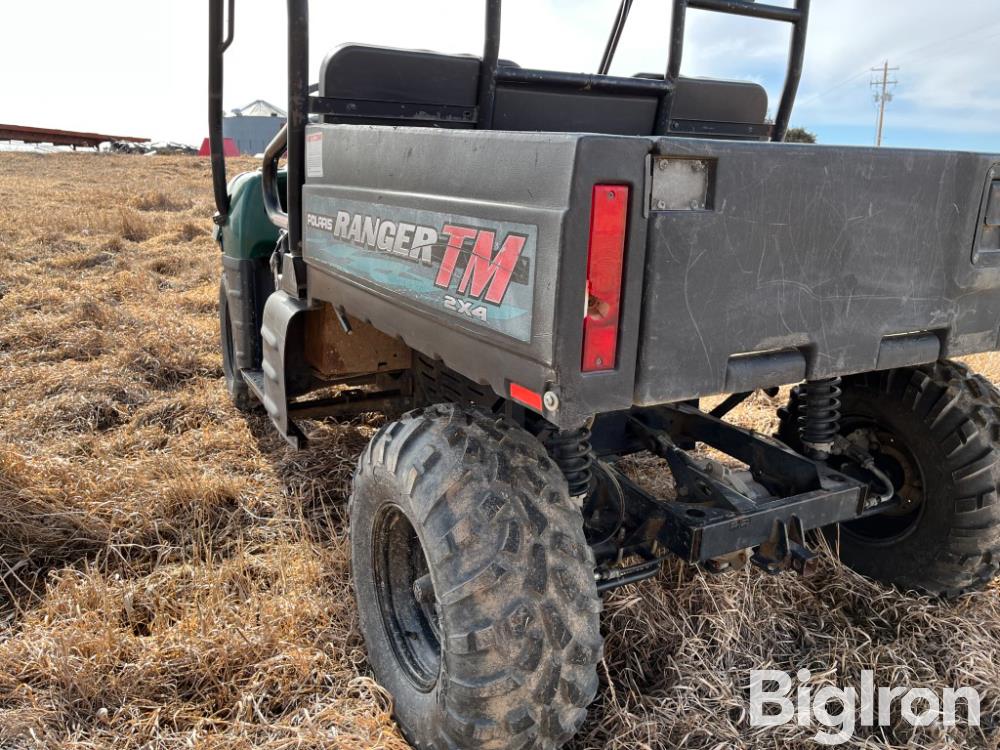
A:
[810,261]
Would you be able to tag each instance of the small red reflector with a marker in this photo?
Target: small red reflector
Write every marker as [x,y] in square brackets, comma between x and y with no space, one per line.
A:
[526,396]
[609,213]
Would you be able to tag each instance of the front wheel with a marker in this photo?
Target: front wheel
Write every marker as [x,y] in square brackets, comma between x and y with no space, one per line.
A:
[935,431]
[474,583]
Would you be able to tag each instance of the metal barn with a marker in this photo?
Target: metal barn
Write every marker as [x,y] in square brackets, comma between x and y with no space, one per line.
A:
[253,126]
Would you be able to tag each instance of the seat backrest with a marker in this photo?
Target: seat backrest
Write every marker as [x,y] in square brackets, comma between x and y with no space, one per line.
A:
[382,85]
[366,73]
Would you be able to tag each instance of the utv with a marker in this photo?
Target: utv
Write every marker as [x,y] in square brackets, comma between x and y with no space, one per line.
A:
[547,271]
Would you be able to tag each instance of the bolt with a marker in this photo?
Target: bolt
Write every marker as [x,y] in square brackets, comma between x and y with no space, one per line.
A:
[423,590]
[611,195]
[695,204]
[716,565]
[550,400]
[663,165]
[661,205]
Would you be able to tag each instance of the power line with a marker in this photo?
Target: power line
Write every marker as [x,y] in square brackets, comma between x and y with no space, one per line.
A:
[883,95]
[836,86]
[906,53]
[938,42]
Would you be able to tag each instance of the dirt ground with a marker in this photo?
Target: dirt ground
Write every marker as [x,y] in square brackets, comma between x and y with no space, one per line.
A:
[171,575]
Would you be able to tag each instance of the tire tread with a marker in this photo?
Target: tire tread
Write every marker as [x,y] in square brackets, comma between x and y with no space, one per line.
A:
[961,411]
[520,662]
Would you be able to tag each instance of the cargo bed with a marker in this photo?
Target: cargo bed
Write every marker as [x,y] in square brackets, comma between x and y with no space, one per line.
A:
[747,264]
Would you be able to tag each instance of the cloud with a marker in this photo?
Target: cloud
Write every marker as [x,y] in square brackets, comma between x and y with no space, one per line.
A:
[946,57]
[140,68]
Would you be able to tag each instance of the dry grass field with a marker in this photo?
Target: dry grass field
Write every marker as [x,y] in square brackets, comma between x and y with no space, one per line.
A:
[171,575]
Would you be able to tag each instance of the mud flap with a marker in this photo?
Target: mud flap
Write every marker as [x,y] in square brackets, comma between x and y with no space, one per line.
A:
[282,322]
[242,290]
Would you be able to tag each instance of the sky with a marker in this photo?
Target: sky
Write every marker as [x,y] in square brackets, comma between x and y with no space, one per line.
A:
[139,68]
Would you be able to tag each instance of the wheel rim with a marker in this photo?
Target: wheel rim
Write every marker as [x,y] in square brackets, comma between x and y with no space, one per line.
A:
[893,458]
[406,598]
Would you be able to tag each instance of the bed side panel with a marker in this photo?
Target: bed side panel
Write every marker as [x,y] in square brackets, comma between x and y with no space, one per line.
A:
[504,193]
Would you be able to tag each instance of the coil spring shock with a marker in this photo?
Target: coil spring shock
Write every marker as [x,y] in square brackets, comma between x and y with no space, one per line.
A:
[570,449]
[819,415]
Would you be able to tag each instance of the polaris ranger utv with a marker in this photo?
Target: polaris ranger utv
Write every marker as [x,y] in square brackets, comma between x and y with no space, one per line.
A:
[547,271]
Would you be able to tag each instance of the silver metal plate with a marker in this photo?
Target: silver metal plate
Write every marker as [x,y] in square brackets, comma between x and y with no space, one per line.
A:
[679,184]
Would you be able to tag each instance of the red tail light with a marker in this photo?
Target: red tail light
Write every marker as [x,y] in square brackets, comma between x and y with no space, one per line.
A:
[609,212]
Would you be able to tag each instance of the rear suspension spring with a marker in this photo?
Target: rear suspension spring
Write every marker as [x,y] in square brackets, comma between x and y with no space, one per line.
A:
[570,449]
[819,415]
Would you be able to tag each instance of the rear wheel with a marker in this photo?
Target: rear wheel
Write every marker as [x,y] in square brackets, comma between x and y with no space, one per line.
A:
[474,583]
[934,431]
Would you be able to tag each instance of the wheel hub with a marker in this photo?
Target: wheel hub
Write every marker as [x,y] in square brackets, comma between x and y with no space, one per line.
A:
[891,457]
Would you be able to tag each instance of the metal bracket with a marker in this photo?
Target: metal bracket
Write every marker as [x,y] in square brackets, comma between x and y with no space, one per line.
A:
[720,511]
[785,548]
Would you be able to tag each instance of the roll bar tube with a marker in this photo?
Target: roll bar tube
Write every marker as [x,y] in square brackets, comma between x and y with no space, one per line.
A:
[490,64]
[798,16]
[269,178]
[616,34]
[298,117]
[796,56]
[217,46]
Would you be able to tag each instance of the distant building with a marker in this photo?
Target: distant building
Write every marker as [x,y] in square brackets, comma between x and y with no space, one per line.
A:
[253,126]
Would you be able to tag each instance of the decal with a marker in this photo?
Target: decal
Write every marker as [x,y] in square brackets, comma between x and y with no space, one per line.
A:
[314,154]
[478,270]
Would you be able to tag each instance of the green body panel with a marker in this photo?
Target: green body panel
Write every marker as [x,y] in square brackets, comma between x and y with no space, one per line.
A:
[248,233]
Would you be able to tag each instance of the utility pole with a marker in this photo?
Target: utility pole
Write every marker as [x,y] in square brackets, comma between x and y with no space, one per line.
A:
[882,96]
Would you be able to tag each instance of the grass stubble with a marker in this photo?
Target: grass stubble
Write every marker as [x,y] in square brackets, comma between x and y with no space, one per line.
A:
[171,575]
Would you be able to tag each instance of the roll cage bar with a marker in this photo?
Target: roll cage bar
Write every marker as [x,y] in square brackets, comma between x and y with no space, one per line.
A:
[301,105]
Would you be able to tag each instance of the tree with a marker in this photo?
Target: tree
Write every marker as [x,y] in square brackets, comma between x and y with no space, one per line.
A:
[799,135]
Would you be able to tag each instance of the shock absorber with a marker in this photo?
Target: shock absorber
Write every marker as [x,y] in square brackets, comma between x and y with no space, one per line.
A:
[819,416]
[570,449]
